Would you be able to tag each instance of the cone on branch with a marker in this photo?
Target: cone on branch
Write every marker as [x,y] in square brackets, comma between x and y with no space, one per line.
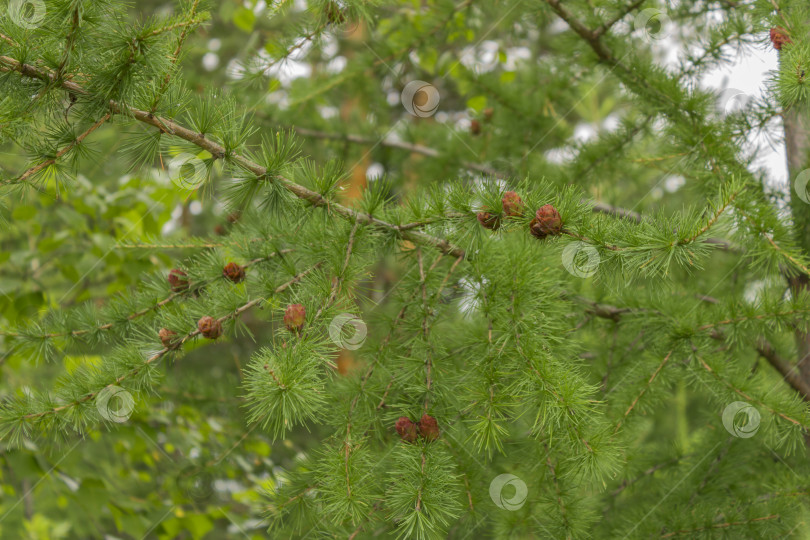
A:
[546,222]
[167,337]
[209,327]
[234,272]
[294,318]
[488,220]
[428,427]
[407,429]
[178,280]
[779,36]
[512,204]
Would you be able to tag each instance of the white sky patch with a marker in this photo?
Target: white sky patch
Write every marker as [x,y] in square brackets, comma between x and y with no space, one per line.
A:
[560,156]
[749,73]
[737,83]
[674,183]
[336,65]
[584,132]
[375,171]
[480,58]
[210,61]
[516,55]
[327,111]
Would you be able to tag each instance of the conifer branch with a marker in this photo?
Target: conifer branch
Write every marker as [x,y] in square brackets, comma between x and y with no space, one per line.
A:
[71,40]
[763,347]
[597,206]
[713,219]
[428,359]
[649,472]
[607,25]
[217,150]
[141,312]
[750,398]
[720,526]
[338,280]
[174,58]
[47,163]
[557,490]
[643,390]
[160,354]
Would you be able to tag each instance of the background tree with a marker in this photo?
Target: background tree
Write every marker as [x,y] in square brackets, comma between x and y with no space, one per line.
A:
[351,269]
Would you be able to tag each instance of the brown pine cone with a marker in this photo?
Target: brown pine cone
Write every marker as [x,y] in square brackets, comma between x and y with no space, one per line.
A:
[209,327]
[178,280]
[294,317]
[779,37]
[475,127]
[167,337]
[407,430]
[546,222]
[234,272]
[489,221]
[512,204]
[428,428]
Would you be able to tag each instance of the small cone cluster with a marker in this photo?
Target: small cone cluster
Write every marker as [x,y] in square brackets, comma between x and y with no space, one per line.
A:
[426,428]
[546,222]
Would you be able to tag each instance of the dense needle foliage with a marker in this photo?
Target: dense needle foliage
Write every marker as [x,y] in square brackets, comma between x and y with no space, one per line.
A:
[334,268]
